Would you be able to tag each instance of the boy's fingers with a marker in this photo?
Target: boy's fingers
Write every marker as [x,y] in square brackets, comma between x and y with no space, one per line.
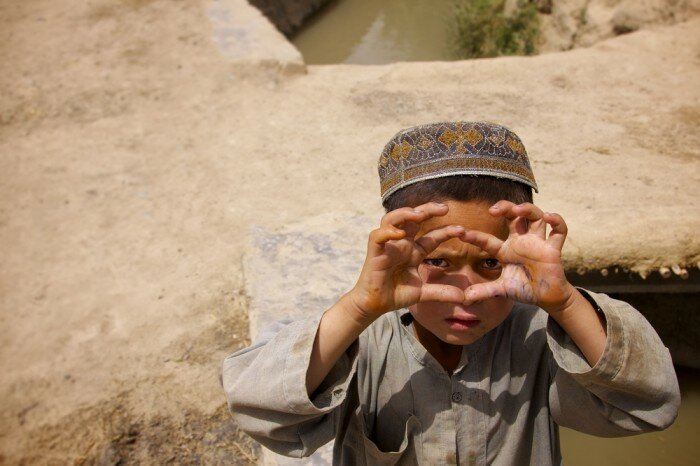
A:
[501,207]
[559,230]
[421,213]
[535,218]
[505,209]
[524,218]
[378,237]
[398,217]
[431,240]
[440,293]
[519,225]
[433,208]
[485,241]
[510,211]
[529,211]
[382,235]
[482,291]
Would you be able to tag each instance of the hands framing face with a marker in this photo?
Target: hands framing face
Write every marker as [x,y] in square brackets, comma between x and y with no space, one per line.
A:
[530,258]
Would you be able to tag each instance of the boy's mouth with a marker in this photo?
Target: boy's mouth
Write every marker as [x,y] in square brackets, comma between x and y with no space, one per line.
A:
[462,324]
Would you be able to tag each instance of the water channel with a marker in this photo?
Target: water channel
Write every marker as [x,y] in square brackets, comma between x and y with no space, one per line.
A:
[368,32]
[375,32]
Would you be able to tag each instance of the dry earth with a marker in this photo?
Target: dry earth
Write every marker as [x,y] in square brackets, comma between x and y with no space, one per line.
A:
[135,158]
[566,24]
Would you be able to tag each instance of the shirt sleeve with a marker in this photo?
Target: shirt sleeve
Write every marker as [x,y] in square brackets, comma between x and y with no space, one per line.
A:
[265,387]
[632,388]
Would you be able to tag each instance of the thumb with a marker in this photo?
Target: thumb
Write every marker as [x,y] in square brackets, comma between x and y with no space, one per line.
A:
[483,291]
[441,293]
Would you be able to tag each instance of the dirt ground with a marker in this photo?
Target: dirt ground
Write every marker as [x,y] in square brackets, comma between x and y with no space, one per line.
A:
[114,317]
[135,159]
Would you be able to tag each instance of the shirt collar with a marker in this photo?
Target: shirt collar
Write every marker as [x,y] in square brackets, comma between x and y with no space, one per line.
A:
[423,356]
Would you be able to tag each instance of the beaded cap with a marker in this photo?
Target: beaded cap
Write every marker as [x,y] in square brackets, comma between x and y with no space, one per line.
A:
[458,148]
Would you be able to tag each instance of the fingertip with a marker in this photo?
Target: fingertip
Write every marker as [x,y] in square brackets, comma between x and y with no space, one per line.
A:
[456,231]
[467,236]
[385,235]
[501,207]
[442,209]
[470,296]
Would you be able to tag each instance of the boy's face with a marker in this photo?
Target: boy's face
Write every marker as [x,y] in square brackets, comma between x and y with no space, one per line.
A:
[460,264]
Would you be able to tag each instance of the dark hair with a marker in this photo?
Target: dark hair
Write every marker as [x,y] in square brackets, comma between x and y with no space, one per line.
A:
[459,188]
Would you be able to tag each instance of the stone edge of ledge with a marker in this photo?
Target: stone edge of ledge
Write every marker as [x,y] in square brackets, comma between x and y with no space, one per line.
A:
[249,41]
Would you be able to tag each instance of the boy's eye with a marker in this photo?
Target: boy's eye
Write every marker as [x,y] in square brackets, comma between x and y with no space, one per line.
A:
[491,264]
[442,263]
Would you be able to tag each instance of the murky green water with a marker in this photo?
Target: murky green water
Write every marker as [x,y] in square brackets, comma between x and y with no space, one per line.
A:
[377,31]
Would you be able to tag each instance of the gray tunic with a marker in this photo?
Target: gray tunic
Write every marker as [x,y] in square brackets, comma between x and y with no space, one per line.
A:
[388,401]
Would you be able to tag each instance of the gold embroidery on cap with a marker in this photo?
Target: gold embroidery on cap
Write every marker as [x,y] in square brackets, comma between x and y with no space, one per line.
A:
[472,136]
[517,146]
[400,151]
[425,143]
[448,137]
[496,140]
[443,149]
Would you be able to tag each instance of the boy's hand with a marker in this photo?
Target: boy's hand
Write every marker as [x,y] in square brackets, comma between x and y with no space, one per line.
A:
[389,279]
[531,260]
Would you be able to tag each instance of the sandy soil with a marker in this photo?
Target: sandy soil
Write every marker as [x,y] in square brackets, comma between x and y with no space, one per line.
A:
[135,158]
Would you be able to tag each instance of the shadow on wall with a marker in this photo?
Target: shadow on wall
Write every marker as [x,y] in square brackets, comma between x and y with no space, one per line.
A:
[288,16]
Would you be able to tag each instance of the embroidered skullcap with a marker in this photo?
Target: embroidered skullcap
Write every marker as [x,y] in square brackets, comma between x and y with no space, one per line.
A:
[447,149]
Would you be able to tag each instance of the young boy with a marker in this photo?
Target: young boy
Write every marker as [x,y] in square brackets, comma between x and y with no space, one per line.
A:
[462,341]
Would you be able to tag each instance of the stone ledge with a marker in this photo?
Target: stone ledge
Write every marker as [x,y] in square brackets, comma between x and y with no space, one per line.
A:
[301,270]
[247,38]
[304,268]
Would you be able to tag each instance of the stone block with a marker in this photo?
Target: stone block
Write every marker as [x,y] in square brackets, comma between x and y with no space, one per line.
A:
[301,270]
[247,38]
